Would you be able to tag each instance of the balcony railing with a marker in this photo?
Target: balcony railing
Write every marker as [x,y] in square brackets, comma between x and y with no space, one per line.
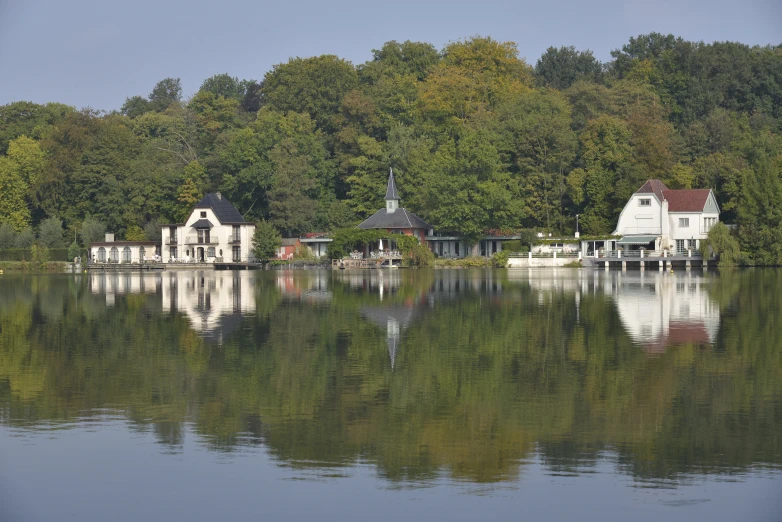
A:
[172,241]
[234,240]
[201,241]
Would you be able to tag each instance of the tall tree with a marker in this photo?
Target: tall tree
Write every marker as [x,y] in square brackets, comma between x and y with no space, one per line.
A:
[314,86]
[561,68]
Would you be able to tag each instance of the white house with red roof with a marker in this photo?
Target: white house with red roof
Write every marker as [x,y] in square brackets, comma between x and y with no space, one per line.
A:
[658,218]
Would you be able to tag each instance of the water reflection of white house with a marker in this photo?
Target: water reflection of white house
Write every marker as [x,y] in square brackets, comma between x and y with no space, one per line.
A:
[213,301]
[661,310]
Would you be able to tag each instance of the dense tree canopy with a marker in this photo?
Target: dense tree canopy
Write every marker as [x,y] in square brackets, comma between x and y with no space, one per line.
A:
[477,137]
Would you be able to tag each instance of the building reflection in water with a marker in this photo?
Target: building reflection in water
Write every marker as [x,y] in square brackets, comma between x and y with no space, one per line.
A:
[657,310]
[661,310]
[212,301]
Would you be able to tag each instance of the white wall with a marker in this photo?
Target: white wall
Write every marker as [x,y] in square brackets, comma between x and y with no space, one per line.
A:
[696,230]
[219,235]
[636,219]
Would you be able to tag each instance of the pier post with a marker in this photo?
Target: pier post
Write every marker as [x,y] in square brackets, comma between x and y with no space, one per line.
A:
[643,264]
[624,266]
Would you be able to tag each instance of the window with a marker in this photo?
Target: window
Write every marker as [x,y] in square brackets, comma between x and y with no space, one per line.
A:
[126,255]
[457,249]
[680,245]
[142,254]
[684,222]
[102,255]
[210,252]
[114,255]
[645,202]
[203,214]
[172,252]
[236,254]
[235,236]
[708,223]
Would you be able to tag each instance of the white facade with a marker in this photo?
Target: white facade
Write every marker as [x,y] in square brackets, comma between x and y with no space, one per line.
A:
[123,252]
[205,238]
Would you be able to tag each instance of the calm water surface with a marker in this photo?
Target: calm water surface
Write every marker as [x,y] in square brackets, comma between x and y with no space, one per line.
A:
[380,395]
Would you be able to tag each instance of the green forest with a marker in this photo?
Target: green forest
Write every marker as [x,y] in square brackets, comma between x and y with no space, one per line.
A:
[479,139]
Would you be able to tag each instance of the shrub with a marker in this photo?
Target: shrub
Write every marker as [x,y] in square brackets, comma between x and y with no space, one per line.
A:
[152,231]
[417,255]
[92,230]
[74,251]
[39,254]
[723,244]
[134,233]
[512,246]
[25,239]
[266,240]
[50,233]
[303,253]
[500,259]
[7,236]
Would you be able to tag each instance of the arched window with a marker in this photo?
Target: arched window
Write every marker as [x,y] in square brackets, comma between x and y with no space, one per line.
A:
[114,255]
[126,255]
[102,255]
[141,254]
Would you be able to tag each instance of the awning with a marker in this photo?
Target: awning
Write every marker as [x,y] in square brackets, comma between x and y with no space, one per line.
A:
[202,223]
[636,240]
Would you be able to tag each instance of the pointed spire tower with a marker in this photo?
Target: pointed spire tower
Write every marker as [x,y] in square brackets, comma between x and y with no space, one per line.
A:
[392,196]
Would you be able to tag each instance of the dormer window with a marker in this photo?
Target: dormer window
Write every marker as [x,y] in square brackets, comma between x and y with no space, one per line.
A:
[203,214]
[645,202]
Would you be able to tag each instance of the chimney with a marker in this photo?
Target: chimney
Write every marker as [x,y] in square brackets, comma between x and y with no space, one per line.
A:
[219,196]
[109,238]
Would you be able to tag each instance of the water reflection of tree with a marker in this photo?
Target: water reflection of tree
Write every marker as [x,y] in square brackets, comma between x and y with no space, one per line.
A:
[480,381]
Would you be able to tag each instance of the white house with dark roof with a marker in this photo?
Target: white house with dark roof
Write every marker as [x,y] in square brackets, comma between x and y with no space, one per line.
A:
[658,218]
[214,232]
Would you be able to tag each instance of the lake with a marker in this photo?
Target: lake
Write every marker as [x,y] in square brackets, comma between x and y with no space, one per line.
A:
[392,394]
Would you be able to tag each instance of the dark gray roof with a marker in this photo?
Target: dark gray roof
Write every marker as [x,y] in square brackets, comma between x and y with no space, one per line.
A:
[202,223]
[223,209]
[391,192]
[400,218]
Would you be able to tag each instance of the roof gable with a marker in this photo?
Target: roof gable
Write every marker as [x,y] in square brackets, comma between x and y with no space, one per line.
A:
[689,200]
[653,186]
[223,209]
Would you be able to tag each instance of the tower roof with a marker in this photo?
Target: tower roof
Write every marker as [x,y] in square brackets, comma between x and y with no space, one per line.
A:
[391,192]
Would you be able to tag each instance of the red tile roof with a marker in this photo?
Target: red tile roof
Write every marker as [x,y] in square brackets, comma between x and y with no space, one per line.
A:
[692,200]
[689,200]
[653,186]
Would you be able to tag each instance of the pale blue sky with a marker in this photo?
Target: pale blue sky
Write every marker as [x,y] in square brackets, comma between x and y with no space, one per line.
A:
[98,52]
